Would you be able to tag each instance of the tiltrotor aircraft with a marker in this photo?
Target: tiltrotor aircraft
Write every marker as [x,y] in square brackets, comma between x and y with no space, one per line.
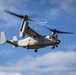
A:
[35,40]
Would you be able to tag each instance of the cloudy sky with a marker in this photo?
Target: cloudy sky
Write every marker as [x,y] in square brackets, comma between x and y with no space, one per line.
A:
[60,14]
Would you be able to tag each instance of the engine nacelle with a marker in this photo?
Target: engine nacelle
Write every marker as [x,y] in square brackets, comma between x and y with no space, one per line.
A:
[24,28]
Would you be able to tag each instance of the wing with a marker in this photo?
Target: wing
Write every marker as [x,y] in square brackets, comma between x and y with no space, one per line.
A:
[32,33]
[25,29]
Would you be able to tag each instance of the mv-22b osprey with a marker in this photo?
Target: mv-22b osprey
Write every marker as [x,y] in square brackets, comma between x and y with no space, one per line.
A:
[35,40]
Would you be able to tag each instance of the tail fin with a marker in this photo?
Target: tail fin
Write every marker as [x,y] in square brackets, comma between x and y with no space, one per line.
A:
[3,38]
[15,40]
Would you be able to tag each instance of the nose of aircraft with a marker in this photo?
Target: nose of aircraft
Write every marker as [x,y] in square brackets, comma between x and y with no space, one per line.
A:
[58,41]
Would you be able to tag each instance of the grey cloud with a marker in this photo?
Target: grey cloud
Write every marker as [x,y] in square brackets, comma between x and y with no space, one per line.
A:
[62,7]
[55,62]
[9,73]
[55,10]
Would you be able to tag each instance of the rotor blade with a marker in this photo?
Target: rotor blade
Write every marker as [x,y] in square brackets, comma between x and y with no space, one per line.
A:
[20,16]
[9,12]
[26,17]
[48,28]
[61,32]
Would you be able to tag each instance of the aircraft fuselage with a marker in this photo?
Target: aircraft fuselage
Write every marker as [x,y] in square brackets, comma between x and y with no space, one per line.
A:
[38,42]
